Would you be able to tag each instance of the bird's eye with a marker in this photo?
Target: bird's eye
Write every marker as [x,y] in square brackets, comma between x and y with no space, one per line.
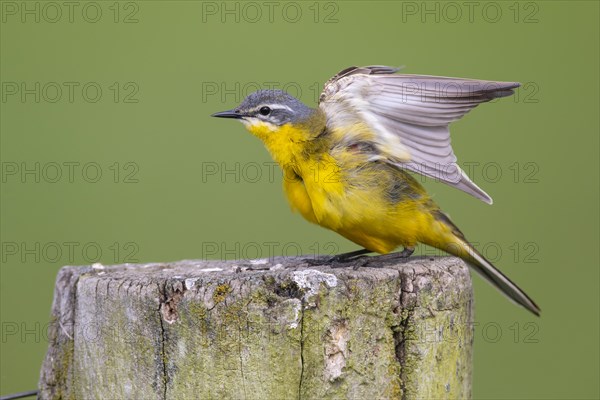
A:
[264,111]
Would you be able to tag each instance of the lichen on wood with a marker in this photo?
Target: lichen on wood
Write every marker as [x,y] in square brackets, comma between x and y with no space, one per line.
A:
[274,329]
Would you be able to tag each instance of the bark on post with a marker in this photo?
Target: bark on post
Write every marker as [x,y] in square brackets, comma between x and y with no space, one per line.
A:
[262,329]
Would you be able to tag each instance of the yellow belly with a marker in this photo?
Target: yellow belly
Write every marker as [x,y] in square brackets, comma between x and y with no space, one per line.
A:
[363,216]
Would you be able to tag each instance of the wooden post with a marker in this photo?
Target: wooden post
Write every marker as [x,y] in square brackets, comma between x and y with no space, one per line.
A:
[262,329]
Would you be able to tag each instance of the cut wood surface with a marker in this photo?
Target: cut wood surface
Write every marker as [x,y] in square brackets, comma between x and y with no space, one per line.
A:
[281,328]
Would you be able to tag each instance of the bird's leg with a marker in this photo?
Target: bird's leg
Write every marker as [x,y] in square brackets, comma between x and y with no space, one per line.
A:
[407,252]
[344,257]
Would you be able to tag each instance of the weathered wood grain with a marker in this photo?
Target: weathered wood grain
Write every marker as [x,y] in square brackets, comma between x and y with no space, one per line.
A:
[262,329]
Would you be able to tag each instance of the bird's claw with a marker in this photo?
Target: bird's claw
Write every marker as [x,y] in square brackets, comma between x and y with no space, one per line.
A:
[337,261]
[316,261]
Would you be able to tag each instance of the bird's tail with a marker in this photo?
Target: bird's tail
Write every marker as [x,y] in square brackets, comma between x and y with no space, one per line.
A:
[456,244]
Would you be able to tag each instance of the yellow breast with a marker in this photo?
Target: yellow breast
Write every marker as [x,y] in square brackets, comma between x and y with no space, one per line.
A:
[343,192]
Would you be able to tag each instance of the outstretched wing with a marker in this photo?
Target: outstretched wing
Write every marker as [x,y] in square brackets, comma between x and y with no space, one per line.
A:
[405,117]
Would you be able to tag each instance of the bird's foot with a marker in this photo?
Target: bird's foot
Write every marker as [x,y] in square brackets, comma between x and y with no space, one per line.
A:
[338,259]
[358,256]
[407,252]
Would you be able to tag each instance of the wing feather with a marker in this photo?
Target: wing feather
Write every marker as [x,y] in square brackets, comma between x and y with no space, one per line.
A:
[409,116]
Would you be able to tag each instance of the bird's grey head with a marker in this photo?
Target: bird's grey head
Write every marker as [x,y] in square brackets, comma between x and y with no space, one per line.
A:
[274,107]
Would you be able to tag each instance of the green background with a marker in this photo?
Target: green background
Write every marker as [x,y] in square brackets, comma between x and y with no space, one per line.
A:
[175,54]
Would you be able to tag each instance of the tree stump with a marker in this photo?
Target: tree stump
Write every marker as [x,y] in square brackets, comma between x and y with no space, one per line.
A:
[281,328]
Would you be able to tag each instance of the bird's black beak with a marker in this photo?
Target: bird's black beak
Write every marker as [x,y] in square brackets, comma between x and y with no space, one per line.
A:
[227,114]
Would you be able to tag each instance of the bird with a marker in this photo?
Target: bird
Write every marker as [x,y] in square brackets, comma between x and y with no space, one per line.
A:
[349,163]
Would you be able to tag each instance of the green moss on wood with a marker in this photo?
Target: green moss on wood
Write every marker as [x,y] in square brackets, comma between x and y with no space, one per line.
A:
[221,293]
[307,332]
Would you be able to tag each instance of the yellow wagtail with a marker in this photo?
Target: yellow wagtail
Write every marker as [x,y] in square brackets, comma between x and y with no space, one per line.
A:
[345,163]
